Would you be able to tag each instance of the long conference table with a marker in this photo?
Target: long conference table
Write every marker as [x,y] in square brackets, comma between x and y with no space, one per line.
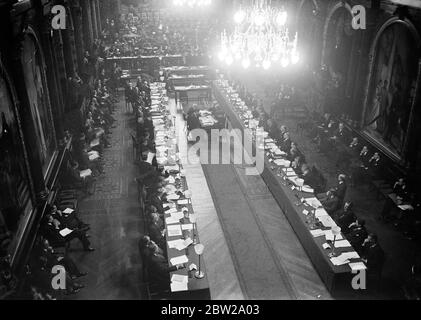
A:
[179,228]
[301,215]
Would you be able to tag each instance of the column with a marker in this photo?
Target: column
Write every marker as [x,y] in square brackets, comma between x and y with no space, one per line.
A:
[93,18]
[76,12]
[53,81]
[88,35]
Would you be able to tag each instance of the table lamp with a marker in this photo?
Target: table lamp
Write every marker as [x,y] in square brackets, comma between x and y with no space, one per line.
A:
[188,195]
[198,248]
[193,220]
[300,183]
[336,231]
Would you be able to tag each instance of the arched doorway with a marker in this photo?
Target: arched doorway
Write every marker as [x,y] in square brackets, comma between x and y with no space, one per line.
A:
[391,84]
[309,27]
[336,54]
[36,86]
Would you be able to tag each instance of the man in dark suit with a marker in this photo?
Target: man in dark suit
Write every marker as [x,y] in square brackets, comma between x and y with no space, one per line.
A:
[158,265]
[331,203]
[286,143]
[373,254]
[345,217]
[340,189]
[357,234]
[52,234]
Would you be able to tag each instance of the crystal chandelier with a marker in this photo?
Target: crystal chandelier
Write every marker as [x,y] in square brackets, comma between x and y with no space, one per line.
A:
[192,3]
[261,38]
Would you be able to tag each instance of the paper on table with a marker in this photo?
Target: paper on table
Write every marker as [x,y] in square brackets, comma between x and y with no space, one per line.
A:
[179,278]
[174,230]
[171,210]
[181,202]
[179,260]
[65,232]
[173,196]
[329,235]
[327,221]
[177,215]
[174,243]
[307,189]
[314,202]
[355,266]
[93,157]
[94,143]
[350,255]
[326,246]
[342,244]
[171,179]
[188,226]
[188,242]
[337,261]
[405,207]
[317,232]
[68,211]
[171,220]
[305,212]
[178,286]
[320,212]
[85,173]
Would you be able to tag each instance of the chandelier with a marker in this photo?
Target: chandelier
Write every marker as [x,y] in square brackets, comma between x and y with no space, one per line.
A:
[192,3]
[260,38]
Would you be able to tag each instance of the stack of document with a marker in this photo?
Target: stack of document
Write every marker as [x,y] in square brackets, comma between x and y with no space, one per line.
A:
[188,226]
[179,260]
[171,220]
[327,221]
[85,173]
[179,283]
[342,244]
[356,266]
[174,230]
[317,232]
[307,189]
[172,244]
[177,215]
[330,237]
[65,232]
[350,255]
[314,202]
[173,196]
[68,211]
[320,212]
[338,261]
[183,244]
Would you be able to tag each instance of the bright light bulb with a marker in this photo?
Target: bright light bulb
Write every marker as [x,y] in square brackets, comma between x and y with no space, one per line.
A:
[239,16]
[285,62]
[229,60]
[221,55]
[295,58]
[266,64]
[246,63]
[281,19]
[259,19]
